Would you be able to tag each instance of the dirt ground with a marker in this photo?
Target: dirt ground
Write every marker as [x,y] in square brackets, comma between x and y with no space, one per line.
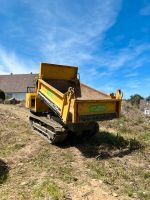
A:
[106,167]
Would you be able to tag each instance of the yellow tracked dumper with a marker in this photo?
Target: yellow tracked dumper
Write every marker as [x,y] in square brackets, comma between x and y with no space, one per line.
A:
[62,105]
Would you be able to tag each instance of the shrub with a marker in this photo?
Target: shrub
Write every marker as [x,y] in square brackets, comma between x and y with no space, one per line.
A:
[2,95]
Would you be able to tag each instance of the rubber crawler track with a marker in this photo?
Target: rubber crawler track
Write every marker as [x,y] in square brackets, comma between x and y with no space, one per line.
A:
[49,129]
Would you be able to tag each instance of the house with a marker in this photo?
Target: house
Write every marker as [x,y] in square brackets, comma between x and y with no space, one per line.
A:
[145,107]
[15,85]
[147,111]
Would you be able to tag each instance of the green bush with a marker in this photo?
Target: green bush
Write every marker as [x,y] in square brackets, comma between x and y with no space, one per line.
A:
[135,100]
[2,95]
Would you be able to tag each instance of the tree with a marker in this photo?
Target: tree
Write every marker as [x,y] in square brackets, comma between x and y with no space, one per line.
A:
[135,100]
[148,98]
[2,95]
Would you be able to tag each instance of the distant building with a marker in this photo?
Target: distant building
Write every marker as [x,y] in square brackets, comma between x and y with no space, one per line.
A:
[15,85]
[147,111]
[145,107]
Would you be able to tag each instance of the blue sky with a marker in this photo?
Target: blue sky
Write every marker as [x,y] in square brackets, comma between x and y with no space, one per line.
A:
[108,40]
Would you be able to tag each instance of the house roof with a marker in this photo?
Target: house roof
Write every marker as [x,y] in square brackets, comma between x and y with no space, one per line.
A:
[15,83]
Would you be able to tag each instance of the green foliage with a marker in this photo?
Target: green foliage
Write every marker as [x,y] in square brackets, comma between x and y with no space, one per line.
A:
[4,169]
[2,95]
[148,98]
[48,189]
[135,100]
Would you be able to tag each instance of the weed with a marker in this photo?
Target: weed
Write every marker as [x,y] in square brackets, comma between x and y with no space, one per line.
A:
[146,175]
[97,170]
[144,195]
[65,174]
[48,189]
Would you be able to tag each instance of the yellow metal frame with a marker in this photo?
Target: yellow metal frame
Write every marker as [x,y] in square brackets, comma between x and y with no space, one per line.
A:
[35,104]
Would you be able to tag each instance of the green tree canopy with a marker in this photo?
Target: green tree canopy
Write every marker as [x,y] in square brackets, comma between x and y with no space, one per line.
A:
[148,98]
[135,99]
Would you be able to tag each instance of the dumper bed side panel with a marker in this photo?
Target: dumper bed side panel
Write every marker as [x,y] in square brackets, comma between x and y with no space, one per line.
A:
[96,110]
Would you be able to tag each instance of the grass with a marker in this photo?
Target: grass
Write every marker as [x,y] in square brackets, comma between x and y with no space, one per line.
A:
[146,175]
[129,175]
[47,189]
[66,174]
[122,177]
[64,171]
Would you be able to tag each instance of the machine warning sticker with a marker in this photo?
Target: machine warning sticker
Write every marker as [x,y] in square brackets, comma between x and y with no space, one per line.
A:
[49,93]
[97,108]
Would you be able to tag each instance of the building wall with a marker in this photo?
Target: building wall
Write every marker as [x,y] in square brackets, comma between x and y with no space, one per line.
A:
[19,96]
[147,112]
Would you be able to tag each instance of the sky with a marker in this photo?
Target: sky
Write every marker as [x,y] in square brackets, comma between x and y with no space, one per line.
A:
[108,40]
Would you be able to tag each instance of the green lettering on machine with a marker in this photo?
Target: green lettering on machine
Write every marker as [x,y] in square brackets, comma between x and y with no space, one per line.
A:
[97,108]
[49,93]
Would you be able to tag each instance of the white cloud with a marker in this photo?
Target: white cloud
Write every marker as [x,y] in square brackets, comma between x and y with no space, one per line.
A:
[65,32]
[74,31]
[137,86]
[131,74]
[126,57]
[9,62]
[133,84]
